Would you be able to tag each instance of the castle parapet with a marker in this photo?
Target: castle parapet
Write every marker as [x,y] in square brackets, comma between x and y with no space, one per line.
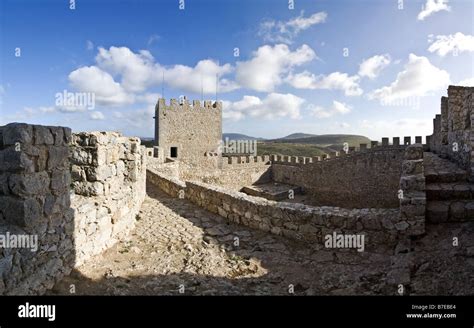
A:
[238,161]
[183,103]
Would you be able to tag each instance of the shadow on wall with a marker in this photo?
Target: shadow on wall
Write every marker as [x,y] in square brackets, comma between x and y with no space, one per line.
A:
[263,264]
[36,221]
[45,231]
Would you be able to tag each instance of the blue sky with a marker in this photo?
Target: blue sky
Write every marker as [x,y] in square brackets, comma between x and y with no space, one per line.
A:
[364,67]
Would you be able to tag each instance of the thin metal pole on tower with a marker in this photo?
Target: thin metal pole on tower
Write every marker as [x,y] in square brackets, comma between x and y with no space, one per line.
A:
[163,86]
[217,83]
[202,89]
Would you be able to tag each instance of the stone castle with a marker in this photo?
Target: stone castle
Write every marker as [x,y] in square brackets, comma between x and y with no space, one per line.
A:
[83,193]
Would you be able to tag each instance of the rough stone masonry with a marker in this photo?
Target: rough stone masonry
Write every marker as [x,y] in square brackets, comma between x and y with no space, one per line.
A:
[77,193]
[80,195]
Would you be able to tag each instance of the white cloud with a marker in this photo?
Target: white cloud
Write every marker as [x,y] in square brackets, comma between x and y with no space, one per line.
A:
[107,91]
[333,81]
[89,45]
[467,82]
[336,108]
[274,105]
[418,79]
[139,121]
[204,73]
[26,114]
[137,70]
[286,31]
[152,39]
[47,109]
[266,69]
[97,116]
[123,75]
[459,42]
[372,66]
[433,6]
[149,98]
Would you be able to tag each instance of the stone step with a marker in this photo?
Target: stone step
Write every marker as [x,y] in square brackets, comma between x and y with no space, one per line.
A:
[440,170]
[449,191]
[450,210]
[445,177]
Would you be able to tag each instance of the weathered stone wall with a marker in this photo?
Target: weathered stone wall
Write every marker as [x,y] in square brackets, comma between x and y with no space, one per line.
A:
[362,179]
[452,128]
[34,202]
[196,131]
[233,173]
[413,191]
[108,179]
[76,194]
[381,227]
[171,169]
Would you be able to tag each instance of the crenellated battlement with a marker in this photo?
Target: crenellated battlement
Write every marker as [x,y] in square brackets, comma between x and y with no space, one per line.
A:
[188,132]
[230,161]
[452,129]
[363,149]
[184,103]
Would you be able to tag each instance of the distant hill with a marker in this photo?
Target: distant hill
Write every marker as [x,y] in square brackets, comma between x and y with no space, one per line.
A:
[329,140]
[298,136]
[238,136]
[290,149]
[309,145]
[295,144]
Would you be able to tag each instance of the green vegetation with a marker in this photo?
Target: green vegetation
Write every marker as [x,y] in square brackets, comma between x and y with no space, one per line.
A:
[309,145]
[147,143]
[297,144]
[290,149]
[299,136]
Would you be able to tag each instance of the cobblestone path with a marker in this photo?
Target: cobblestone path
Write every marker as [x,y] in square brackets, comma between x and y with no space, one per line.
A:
[177,247]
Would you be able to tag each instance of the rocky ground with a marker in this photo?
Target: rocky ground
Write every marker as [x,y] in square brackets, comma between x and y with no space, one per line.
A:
[179,248]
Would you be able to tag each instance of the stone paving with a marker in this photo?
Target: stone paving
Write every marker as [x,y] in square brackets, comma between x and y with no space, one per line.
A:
[179,248]
[177,244]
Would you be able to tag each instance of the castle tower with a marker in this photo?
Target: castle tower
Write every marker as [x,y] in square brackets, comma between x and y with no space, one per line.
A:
[189,133]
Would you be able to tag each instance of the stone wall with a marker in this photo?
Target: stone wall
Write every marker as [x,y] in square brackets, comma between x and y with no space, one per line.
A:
[413,191]
[381,227]
[452,129]
[362,179]
[108,179]
[195,130]
[232,172]
[35,204]
[75,195]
